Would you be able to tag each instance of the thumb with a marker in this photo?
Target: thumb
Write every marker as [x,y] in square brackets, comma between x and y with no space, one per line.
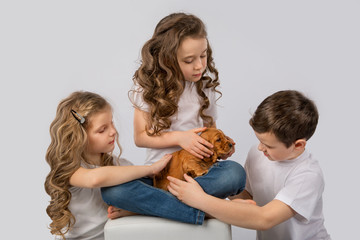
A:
[168,158]
[188,178]
[197,130]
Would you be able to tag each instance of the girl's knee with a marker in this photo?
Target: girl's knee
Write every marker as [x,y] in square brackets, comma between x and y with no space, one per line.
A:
[235,173]
[232,167]
[111,194]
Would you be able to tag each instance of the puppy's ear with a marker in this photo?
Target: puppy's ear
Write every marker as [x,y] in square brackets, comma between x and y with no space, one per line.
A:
[214,157]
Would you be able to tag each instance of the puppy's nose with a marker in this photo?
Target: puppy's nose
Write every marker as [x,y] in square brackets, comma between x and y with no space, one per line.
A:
[230,145]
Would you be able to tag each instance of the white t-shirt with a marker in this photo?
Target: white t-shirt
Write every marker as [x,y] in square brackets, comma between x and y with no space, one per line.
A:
[89,210]
[299,183]
[185,119]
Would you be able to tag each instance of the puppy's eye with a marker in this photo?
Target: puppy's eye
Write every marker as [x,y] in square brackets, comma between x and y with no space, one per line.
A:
[218,140]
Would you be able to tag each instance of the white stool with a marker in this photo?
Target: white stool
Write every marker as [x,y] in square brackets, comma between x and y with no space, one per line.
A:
[140,227]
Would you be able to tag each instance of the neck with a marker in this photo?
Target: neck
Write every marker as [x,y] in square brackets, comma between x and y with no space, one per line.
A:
[297,153]
[93,159]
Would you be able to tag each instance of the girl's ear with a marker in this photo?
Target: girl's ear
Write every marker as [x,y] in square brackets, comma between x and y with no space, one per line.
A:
[300,144]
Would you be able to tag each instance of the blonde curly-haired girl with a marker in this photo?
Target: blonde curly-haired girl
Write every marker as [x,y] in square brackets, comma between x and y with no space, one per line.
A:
[83,138]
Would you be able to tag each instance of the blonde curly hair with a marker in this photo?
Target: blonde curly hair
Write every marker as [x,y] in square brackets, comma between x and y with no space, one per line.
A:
[66,152]
[160,77]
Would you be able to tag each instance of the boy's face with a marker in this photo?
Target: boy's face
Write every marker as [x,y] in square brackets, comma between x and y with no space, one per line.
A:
[275,150]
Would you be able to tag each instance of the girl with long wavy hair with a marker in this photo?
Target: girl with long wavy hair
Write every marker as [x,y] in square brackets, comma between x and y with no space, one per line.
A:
[174,96]
[83,138]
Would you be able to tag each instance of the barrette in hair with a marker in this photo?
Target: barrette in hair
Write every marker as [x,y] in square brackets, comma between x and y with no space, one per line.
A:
[77,116]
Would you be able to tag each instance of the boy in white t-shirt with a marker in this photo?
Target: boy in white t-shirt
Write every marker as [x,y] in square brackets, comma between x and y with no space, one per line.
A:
[282,177]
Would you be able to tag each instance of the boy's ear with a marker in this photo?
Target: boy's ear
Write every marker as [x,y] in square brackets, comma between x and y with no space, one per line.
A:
[300,144]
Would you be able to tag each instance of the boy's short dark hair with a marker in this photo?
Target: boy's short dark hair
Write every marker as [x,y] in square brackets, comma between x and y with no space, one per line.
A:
[287,114]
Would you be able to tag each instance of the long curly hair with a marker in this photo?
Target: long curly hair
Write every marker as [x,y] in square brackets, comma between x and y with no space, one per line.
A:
[66,152]
[160,77]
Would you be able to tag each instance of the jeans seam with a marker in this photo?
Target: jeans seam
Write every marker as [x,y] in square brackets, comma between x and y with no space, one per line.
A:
[200,217]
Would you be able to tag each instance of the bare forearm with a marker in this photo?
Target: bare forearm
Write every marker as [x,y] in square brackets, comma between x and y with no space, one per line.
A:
[240,213]
[164,140]
[142,139]
[234,213]
[108,175]
[247,215]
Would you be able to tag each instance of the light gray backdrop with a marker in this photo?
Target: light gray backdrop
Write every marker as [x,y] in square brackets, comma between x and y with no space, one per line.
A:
[50,48]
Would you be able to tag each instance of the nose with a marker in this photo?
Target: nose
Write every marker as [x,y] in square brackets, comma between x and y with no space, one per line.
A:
[113,131]
[230,145]
[198,64]
[261,147]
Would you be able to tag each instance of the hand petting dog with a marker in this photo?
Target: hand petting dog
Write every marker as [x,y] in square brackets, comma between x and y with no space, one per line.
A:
[183,162]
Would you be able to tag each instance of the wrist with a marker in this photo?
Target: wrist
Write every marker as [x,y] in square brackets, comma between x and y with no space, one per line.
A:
[150,170]
[205,200]
[175,138]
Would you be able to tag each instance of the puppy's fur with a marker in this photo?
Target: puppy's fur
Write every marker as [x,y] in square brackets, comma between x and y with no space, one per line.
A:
[184,162]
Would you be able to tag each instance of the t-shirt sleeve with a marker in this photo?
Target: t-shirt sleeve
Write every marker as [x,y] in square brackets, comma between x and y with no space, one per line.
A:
[302,193]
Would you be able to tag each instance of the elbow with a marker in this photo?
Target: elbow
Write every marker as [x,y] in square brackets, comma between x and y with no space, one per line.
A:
[138,141]
[96,182]
[264,226]
[266,223]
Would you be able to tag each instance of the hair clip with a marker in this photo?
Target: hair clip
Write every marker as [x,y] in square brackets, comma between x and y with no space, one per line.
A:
[78,117]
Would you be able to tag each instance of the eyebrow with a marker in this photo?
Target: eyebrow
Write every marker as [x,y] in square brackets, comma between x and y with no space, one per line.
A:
[267,145]
[191,56]
[97,129]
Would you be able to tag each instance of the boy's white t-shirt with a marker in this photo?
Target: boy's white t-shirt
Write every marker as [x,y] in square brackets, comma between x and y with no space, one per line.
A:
[299,183]
[185,119]
[89,210]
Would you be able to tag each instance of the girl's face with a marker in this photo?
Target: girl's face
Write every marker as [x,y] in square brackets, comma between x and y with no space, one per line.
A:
[101,134]
[192,58]
[275,150]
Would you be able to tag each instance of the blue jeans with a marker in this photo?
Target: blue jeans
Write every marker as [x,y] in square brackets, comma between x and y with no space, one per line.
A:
[225,178]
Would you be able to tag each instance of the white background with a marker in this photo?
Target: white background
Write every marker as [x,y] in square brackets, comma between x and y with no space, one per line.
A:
[50,48]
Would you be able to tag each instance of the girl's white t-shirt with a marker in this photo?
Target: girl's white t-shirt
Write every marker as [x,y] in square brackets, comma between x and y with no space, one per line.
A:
[299,183]
[89,210]
[185,119]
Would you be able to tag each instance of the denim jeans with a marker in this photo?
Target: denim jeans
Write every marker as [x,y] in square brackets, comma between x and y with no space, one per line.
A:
[225,178]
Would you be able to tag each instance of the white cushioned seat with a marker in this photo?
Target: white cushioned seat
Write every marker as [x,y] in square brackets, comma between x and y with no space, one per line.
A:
[153,228]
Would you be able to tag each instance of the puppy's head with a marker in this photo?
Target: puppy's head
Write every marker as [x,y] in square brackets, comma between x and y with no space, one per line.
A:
[221,143]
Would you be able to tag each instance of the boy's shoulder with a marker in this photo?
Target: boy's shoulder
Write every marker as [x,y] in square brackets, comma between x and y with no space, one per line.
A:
[309,165]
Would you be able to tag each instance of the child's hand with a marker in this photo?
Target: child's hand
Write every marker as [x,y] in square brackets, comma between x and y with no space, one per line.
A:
[159,165]
[194,144]
[189,192]
[232,150]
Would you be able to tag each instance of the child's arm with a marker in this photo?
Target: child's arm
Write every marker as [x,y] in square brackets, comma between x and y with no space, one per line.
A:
[235,213]
[188,140]
[113,175]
